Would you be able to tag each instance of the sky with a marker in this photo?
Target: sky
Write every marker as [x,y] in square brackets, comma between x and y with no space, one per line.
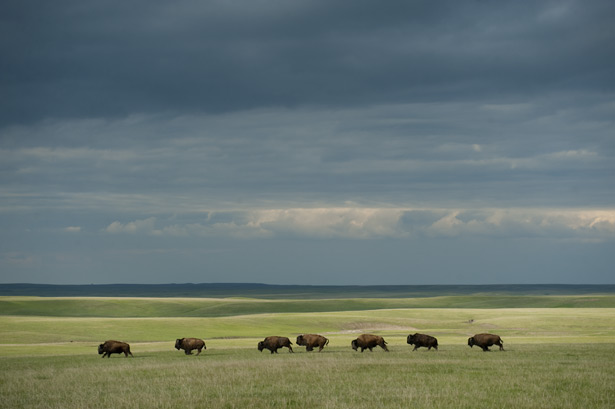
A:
[307,142]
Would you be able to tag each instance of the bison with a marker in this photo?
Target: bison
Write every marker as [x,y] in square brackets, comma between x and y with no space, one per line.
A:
[312,340]
[422,340]
[275,343]
[368,341]
[485,341]
[188,344]
[114,347]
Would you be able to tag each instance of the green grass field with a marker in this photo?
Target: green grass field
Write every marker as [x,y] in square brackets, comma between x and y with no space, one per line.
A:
[555,357]
[226,307]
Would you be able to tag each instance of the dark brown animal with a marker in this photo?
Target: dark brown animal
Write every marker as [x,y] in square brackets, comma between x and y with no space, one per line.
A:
[274,343]
[188,344]
[422,340]
[114,347]
[369,341]
[485,341]
[312,340]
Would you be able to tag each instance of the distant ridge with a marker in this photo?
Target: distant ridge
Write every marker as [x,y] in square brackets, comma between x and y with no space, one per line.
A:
[255,290]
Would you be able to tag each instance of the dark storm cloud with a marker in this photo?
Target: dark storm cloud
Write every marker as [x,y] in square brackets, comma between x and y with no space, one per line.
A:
[290,141]
[421,154]
[88,59]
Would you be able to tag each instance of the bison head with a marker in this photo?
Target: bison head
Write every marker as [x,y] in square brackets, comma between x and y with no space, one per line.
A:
[100,349]
[410,339]
[354,344]
[300,340]
[178,343]
[471,342]
[261,346]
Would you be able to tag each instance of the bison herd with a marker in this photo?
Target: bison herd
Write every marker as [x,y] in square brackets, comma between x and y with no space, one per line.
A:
[311,341]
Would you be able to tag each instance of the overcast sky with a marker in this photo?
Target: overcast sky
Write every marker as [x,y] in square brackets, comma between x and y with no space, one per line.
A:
[307,141]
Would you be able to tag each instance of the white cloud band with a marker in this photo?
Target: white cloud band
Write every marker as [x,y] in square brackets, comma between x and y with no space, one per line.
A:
[373,223]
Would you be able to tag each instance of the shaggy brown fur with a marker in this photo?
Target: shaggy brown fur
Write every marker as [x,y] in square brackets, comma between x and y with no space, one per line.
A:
[369,341]
[422,340]
[485,341]
[114,347]
[274,343]
[188,344]
[310,341]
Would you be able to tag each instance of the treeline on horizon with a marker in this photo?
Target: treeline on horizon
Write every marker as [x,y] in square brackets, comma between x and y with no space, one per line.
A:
[255,290]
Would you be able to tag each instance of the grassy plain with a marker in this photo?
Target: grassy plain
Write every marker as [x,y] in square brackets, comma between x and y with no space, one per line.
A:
[554,358]
[126,307]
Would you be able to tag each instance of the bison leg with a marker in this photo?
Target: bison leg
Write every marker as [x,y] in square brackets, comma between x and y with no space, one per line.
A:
[486,349]
[416,347]
[290,349]
[188,351]
[198,353]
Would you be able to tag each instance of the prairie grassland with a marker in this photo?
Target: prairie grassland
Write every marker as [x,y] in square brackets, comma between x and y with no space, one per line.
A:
[49,335]
[555,357]
[526,376]
[125,307]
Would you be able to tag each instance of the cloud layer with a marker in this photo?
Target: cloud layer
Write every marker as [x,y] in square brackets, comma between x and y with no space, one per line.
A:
[424,155]
[379,223]
[79,59]
[338,141]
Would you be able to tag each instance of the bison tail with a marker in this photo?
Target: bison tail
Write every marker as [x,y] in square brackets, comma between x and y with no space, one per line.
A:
[327,343]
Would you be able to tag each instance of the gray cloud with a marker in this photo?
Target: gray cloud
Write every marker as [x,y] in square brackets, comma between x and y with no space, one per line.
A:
[274,140]
[418,154]
[80,59]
